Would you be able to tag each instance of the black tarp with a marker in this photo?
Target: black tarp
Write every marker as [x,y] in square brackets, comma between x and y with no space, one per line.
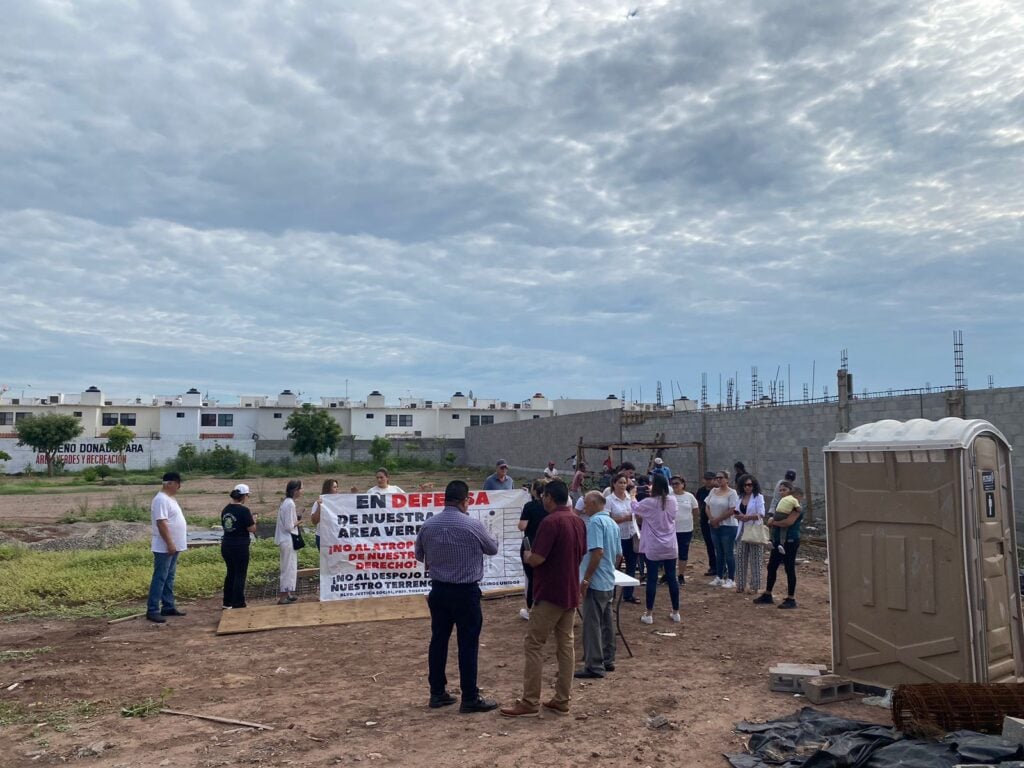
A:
[814,739]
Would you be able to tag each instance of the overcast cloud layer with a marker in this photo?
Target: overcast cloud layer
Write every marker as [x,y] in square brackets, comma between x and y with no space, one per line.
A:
[577,198]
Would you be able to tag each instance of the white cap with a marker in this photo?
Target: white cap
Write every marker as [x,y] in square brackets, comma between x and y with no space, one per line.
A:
[658,460]
[241,488]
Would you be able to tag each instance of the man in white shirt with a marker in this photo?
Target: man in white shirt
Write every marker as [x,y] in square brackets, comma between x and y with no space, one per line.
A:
[169,538]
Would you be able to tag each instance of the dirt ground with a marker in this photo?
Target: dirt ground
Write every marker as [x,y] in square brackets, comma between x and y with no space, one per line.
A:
[357,694]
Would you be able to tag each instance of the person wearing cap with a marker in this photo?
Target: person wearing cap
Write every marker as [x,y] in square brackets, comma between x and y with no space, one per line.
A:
[500,480]
[238,522]
[790,477]
[169,539]
[658,467]
[550,471]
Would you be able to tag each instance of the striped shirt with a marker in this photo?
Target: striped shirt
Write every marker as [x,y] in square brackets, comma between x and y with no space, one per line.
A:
[452,546]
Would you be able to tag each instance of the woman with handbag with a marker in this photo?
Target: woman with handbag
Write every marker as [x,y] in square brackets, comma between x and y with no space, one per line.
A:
[753,535]
[288,537]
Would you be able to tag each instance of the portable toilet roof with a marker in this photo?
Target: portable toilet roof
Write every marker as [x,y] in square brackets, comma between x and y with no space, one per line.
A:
[923,574]
[915,434]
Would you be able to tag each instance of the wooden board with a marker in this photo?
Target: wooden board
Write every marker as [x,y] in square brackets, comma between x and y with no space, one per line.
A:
[315,613]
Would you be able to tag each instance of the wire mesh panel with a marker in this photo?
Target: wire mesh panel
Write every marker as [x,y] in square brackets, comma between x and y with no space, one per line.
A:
[931,708]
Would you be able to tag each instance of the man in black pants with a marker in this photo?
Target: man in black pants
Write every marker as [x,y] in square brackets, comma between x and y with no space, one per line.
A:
[452,546]
[705,526]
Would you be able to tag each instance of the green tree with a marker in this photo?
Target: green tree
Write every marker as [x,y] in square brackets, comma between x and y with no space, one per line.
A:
[46,434]
[119,438]
[380,447]
[313,432]
[4,456]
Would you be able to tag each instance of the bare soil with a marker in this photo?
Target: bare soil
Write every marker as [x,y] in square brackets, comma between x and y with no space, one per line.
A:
[357,694]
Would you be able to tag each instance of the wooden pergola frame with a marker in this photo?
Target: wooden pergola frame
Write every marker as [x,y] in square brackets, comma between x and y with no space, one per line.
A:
[656,447]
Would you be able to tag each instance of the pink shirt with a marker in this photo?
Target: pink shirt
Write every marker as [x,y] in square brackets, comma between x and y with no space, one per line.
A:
[658,533]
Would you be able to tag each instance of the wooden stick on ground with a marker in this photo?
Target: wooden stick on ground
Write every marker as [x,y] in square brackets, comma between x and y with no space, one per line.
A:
[126,618]
[227,720]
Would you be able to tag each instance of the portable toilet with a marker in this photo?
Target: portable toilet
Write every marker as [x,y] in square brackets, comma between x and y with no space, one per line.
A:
[922,553]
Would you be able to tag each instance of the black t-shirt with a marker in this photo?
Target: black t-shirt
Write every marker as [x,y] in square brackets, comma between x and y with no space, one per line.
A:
[235,520]
[533,513]
[702,498]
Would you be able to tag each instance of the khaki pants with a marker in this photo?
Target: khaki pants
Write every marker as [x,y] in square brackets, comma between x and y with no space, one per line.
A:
[546,618]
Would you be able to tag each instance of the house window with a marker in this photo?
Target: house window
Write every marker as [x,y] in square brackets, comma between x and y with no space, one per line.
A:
[474,421]
[536,415]
[390,420]
[179,415]
[77,414]
[6,418]
[277,415]
[369,415]
[128,419]
[455,415]
[22,415]
[405,420]
[225,419]
[208,420]
[109,419]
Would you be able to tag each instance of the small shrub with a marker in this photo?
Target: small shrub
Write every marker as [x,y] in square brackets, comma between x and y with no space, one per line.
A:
[102,470]
[90,474]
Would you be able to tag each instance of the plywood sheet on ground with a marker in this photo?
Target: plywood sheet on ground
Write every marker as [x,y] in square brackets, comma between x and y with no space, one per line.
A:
[313,614]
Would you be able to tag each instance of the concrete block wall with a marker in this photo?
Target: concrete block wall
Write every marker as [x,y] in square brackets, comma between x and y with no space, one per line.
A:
[767,440]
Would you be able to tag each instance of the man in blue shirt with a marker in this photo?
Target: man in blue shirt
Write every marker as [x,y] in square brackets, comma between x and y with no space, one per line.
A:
[452,546]
[597,587]
[500,480]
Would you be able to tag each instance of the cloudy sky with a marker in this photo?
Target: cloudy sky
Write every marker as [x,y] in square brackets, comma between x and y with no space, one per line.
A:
[578,198]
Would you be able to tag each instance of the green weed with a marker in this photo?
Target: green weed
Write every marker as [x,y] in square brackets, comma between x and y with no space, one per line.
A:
[13,655]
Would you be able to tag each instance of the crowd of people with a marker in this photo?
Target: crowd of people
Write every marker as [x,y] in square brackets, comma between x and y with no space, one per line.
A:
[574,542]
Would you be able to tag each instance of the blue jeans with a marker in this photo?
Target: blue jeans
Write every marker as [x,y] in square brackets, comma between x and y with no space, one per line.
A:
[724,537]
[653,566]
[161,588]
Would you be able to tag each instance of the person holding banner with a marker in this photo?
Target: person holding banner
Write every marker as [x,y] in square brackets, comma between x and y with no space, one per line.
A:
[288,519]
[329,486]
[555,557]
[452,545]
[383,478]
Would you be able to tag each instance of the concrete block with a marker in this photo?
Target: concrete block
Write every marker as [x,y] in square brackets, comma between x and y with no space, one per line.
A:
[1013,729]
[828,688]
[790,678]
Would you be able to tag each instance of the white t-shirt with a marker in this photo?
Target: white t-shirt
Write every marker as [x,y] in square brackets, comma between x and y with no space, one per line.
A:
[377,490]
[165,507]
[287,522]
[720,505]
[617,506]
[684,518]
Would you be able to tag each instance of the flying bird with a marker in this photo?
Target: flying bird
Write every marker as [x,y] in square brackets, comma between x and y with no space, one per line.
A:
[632,13]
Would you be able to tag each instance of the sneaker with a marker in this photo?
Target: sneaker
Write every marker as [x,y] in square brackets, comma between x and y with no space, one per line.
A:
[789,602]
[171,612]
[728,584]
[647,618]
[156,618]
[675,617]
[480,704]
[519,709]
[609,666]
[524,613]
[587,674]
[715,582]
[764,599]
[439,700]
[558,707]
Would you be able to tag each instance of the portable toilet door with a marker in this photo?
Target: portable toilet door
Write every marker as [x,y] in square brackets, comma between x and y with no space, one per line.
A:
[922,559]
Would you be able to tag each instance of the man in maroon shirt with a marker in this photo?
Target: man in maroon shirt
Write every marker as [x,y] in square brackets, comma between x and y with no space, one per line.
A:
[560,545]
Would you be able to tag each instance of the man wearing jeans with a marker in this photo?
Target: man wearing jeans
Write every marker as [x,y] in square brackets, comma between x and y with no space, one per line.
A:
[168,539]
[597,587]
[452,545]
[555,557]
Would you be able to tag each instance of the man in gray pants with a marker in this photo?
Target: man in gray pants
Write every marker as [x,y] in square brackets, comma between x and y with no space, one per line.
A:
[597,587]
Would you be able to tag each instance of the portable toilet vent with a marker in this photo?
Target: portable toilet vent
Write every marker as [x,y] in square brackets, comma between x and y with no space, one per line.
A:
[922,553]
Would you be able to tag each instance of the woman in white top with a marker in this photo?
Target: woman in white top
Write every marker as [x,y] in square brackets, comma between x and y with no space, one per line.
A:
[722,504]
[330,486]
[383,478]
[619,506]
[687,504]
[749,556]
[288,519]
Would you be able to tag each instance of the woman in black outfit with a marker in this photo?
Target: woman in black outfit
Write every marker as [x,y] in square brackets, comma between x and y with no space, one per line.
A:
[238,522]
[529,522]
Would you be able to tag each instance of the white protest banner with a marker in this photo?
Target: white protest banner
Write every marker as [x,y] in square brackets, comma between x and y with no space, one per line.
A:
[367,541]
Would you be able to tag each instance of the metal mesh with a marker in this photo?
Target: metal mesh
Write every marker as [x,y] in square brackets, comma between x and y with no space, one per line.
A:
[931,708]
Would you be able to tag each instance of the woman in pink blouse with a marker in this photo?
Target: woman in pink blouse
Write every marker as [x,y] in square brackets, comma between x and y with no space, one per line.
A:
[658,543]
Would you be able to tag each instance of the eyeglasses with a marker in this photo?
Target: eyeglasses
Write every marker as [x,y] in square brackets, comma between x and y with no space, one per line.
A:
[748,485]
